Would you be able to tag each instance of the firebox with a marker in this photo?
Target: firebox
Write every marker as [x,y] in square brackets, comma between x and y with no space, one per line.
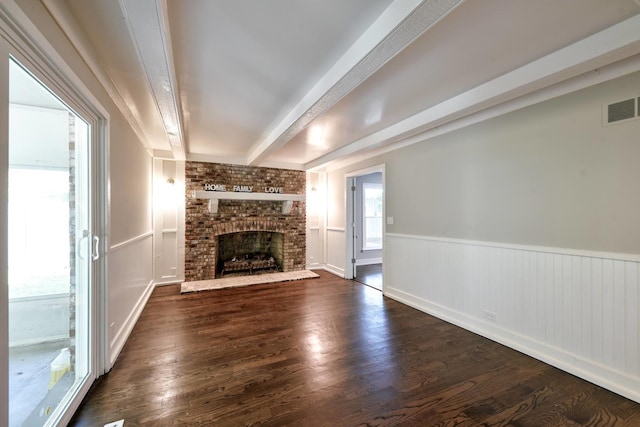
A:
[249,252]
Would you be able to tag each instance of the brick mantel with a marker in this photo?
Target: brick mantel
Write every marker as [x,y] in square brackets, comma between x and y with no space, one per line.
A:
[203,227]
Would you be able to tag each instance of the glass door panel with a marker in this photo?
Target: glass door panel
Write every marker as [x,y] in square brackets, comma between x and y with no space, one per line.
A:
[50,252]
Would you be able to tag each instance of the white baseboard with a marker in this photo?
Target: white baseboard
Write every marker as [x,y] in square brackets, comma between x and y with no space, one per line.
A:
[314,266]
[168,282]
[368,261]
[334,270]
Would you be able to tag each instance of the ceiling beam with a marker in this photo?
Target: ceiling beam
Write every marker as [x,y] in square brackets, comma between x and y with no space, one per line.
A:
[148,25]
[613,44]
[400,24]
[601,75]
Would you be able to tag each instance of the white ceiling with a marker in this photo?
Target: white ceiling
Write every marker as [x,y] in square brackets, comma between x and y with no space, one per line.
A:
[303,83]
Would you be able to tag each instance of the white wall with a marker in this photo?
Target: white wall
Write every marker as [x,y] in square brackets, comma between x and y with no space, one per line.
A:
[168,221]
[524,229]
[316,221]
[130,262]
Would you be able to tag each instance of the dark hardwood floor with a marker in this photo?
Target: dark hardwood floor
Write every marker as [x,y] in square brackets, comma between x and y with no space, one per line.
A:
[370,275]
[329,352]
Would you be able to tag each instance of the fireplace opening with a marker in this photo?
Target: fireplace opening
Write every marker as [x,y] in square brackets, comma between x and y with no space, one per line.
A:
[249,252]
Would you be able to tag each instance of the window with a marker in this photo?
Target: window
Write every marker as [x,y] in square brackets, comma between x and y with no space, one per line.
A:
[372,216]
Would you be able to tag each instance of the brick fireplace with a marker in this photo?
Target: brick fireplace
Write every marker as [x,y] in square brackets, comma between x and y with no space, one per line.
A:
[270,233]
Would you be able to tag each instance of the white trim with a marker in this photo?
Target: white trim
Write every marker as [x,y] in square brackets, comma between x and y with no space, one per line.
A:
[102,218]
[530,248]
[129,242]
[172,281]
[170,231]
[336,229]
[366,171]
[617,382]
[4,250]
[368,261]
[214,196]
[118,342]
[233,195]
[334,270]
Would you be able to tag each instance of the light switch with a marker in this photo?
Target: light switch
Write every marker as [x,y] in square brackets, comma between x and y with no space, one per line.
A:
[389,220]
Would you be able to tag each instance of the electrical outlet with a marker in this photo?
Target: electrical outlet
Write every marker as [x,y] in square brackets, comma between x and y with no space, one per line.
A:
[489,315]
[119,423]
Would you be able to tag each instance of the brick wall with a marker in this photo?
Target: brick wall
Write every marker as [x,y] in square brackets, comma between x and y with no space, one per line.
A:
[203,228]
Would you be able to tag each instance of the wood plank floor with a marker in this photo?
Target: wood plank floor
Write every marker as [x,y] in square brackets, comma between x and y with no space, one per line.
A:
[329,352]
[370,275]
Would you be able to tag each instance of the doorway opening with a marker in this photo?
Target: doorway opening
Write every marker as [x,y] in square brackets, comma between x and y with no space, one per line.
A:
[365,231]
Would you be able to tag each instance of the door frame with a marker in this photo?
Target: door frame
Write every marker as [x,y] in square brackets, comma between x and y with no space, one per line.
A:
[20,38]
[350,265]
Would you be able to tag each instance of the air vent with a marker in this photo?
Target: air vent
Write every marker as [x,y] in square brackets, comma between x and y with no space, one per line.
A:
[622,110]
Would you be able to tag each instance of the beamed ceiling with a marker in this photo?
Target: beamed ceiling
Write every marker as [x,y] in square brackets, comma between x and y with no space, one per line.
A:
[311,84]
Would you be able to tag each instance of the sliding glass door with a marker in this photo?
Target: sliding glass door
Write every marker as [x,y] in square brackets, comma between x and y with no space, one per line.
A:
[51,251]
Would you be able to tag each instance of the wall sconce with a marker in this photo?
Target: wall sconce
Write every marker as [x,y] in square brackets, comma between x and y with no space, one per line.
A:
[167,194]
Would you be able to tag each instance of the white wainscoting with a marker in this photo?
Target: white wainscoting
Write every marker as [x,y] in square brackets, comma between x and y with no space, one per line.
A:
[130,286]
[166,258]
[335,251]
[314,248]
[576,310]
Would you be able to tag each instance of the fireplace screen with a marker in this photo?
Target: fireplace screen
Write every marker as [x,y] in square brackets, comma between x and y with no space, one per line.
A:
[249,252]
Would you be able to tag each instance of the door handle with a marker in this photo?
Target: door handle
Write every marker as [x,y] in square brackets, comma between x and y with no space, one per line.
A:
[96,248]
